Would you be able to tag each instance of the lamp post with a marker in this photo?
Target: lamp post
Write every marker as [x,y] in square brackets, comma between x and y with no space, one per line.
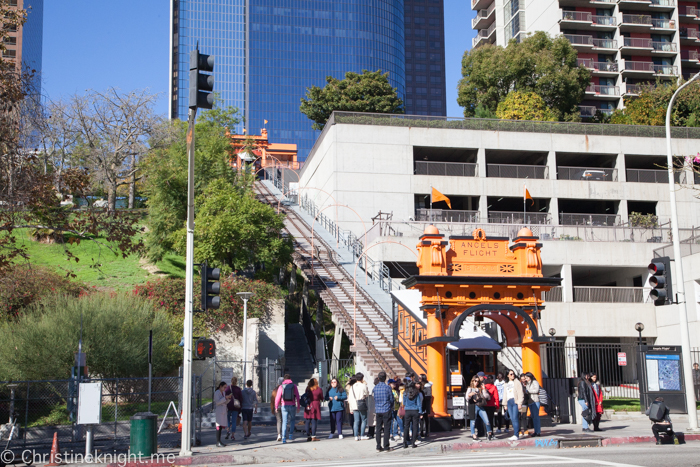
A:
[245,296]
[639,327]
[680,285]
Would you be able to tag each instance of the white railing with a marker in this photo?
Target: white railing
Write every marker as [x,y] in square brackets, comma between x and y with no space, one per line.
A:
[552,295]
[652,176]
[611,294]
[446,215]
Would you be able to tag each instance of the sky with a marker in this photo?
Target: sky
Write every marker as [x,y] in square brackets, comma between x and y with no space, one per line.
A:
[97,44]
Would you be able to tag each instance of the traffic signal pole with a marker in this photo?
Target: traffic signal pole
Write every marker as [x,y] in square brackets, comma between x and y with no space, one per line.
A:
[186,442]
[680,284]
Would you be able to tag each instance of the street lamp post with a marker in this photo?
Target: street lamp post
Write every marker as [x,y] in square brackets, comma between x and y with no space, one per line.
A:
[245,296]
[639,327]
[680,285]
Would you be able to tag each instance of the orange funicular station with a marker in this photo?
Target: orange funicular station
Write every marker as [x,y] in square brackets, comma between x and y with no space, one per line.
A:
[480,278]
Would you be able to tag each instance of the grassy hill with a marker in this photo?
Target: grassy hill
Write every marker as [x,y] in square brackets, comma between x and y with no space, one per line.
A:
[98,266]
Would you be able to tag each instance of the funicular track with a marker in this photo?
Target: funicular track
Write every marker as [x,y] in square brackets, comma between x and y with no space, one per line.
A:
[334,284]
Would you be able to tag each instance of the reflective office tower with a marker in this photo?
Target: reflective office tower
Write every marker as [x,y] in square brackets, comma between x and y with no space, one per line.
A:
[24,45]
[264,69]
[625,43]
[425,57]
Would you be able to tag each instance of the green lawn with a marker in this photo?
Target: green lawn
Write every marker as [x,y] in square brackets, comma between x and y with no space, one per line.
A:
[97,265]
[624,405]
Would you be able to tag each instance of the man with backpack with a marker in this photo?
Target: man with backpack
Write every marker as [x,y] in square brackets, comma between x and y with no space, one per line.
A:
[288,399]
[661,421]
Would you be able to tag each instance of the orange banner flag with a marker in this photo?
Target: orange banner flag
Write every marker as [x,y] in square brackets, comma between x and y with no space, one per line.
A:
[437,196]
[527,196]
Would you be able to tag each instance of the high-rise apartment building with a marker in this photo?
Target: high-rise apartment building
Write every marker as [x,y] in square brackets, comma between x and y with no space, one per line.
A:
[24,44]
[626,44]
[269,51]
[425,57]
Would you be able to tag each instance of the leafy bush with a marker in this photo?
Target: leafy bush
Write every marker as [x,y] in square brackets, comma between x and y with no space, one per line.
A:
[169,295]
[25,284]
[42,342]
[519,105]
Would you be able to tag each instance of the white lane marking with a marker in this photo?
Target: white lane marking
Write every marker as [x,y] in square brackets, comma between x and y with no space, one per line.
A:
[598,462]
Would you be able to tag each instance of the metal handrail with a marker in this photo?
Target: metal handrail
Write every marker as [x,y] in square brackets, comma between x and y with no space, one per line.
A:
[506,217]
[637,19]
[588,219]
[457,169]
[637,42]
[446,215]
[691,55]
[603,90]
[684,10]
[603,20]
[661,23]
[689,33]
[651,176]
[596,65]
[664,46]
[540,172]
[666,70]
[604,43]
[587,173]
[576,15]
[639,66]
[579,39]
[611,294]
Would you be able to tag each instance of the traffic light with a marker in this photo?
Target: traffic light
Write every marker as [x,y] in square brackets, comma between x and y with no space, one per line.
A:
[201,85]
[205,348]
[660,281]
[210,287]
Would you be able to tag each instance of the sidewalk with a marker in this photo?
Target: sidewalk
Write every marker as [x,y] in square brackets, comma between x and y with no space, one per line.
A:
[263,447]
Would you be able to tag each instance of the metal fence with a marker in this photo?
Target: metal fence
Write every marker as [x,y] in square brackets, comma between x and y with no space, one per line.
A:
[611,294]
[570,361]
[520,217]
[264,375]
[42,408]
[453,169]
[587,173]
[588,219]
[653,176]
[517,171]
[689,246]
[446,215]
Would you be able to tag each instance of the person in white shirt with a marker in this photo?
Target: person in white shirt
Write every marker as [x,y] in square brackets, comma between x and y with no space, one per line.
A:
[502,412]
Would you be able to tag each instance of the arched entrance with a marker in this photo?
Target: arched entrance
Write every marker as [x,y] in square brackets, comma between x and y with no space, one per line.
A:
[474,276]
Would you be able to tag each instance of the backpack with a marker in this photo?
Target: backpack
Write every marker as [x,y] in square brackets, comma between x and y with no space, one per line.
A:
[304,400]
[657,411]
[288,393]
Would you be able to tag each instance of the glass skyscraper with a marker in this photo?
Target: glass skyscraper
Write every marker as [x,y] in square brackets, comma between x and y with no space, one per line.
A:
[269,51]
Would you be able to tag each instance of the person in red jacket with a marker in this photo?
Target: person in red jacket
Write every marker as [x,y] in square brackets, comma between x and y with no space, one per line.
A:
[493,403]
[312,411]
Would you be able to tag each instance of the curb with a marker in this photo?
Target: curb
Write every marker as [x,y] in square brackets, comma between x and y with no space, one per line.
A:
[226,459]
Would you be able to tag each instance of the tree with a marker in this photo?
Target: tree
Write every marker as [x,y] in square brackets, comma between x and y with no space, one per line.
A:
[649,108]
[538,64]
[236,231]
[369,91]
[165,175]
[524,106]
[43,342]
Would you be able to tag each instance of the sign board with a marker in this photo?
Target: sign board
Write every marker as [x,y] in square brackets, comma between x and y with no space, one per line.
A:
[622,358]
[663,372]
[458,414]
[226,375]
[455,379]
[458,401]
[90,404]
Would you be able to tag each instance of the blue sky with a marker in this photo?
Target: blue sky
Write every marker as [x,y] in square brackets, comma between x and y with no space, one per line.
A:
[95,44]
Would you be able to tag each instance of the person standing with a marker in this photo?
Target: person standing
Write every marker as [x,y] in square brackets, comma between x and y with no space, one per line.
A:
[312,411]
[395,412]
[477,396]
[278,413]
[514,402]
[532,387]
[413,406]
[696,380]
[383,409]
[357,399]
[336,398]
[524,421]
[502,410]
[250,406]
[288,400]
[494,402]
[234,407]
[586,400]
[597,389]
[220,401]
[427,389]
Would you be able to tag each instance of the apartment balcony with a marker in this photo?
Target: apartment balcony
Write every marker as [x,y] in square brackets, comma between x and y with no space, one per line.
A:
[540,172]
[634,89]
[635,23]
[484,18]
[664,49]
[638,69]
[663,25]
[662,5]
[484,36]
[446,215]
[689,36]
[447,169]
[589,111]
[586,20]
[604,45]
[599,68]
[665,70]
[636,45]
[588,219]
[580,41]
[503,217]
[688,13]
[481,4]
[600,174]
[689,55]
[647,5]
[603,92]
[587,3]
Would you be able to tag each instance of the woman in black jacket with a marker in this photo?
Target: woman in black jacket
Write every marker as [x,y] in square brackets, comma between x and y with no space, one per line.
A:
[586,400]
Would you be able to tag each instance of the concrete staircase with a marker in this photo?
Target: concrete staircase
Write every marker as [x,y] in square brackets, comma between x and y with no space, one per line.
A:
[298,362]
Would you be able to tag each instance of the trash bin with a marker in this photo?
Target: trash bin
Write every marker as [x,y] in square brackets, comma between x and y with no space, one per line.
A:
[144,434]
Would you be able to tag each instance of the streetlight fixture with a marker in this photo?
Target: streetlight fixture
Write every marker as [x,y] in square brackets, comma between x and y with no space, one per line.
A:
[552,332]
[680,284]
[639,327]
[245,296]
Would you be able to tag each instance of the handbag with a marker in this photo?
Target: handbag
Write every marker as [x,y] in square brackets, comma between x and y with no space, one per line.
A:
[402,412]
[361,403]
[236,405]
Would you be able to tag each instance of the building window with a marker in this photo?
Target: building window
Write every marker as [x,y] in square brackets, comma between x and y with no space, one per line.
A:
[421,79]
[435,104]
[436,68]
[10,53]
